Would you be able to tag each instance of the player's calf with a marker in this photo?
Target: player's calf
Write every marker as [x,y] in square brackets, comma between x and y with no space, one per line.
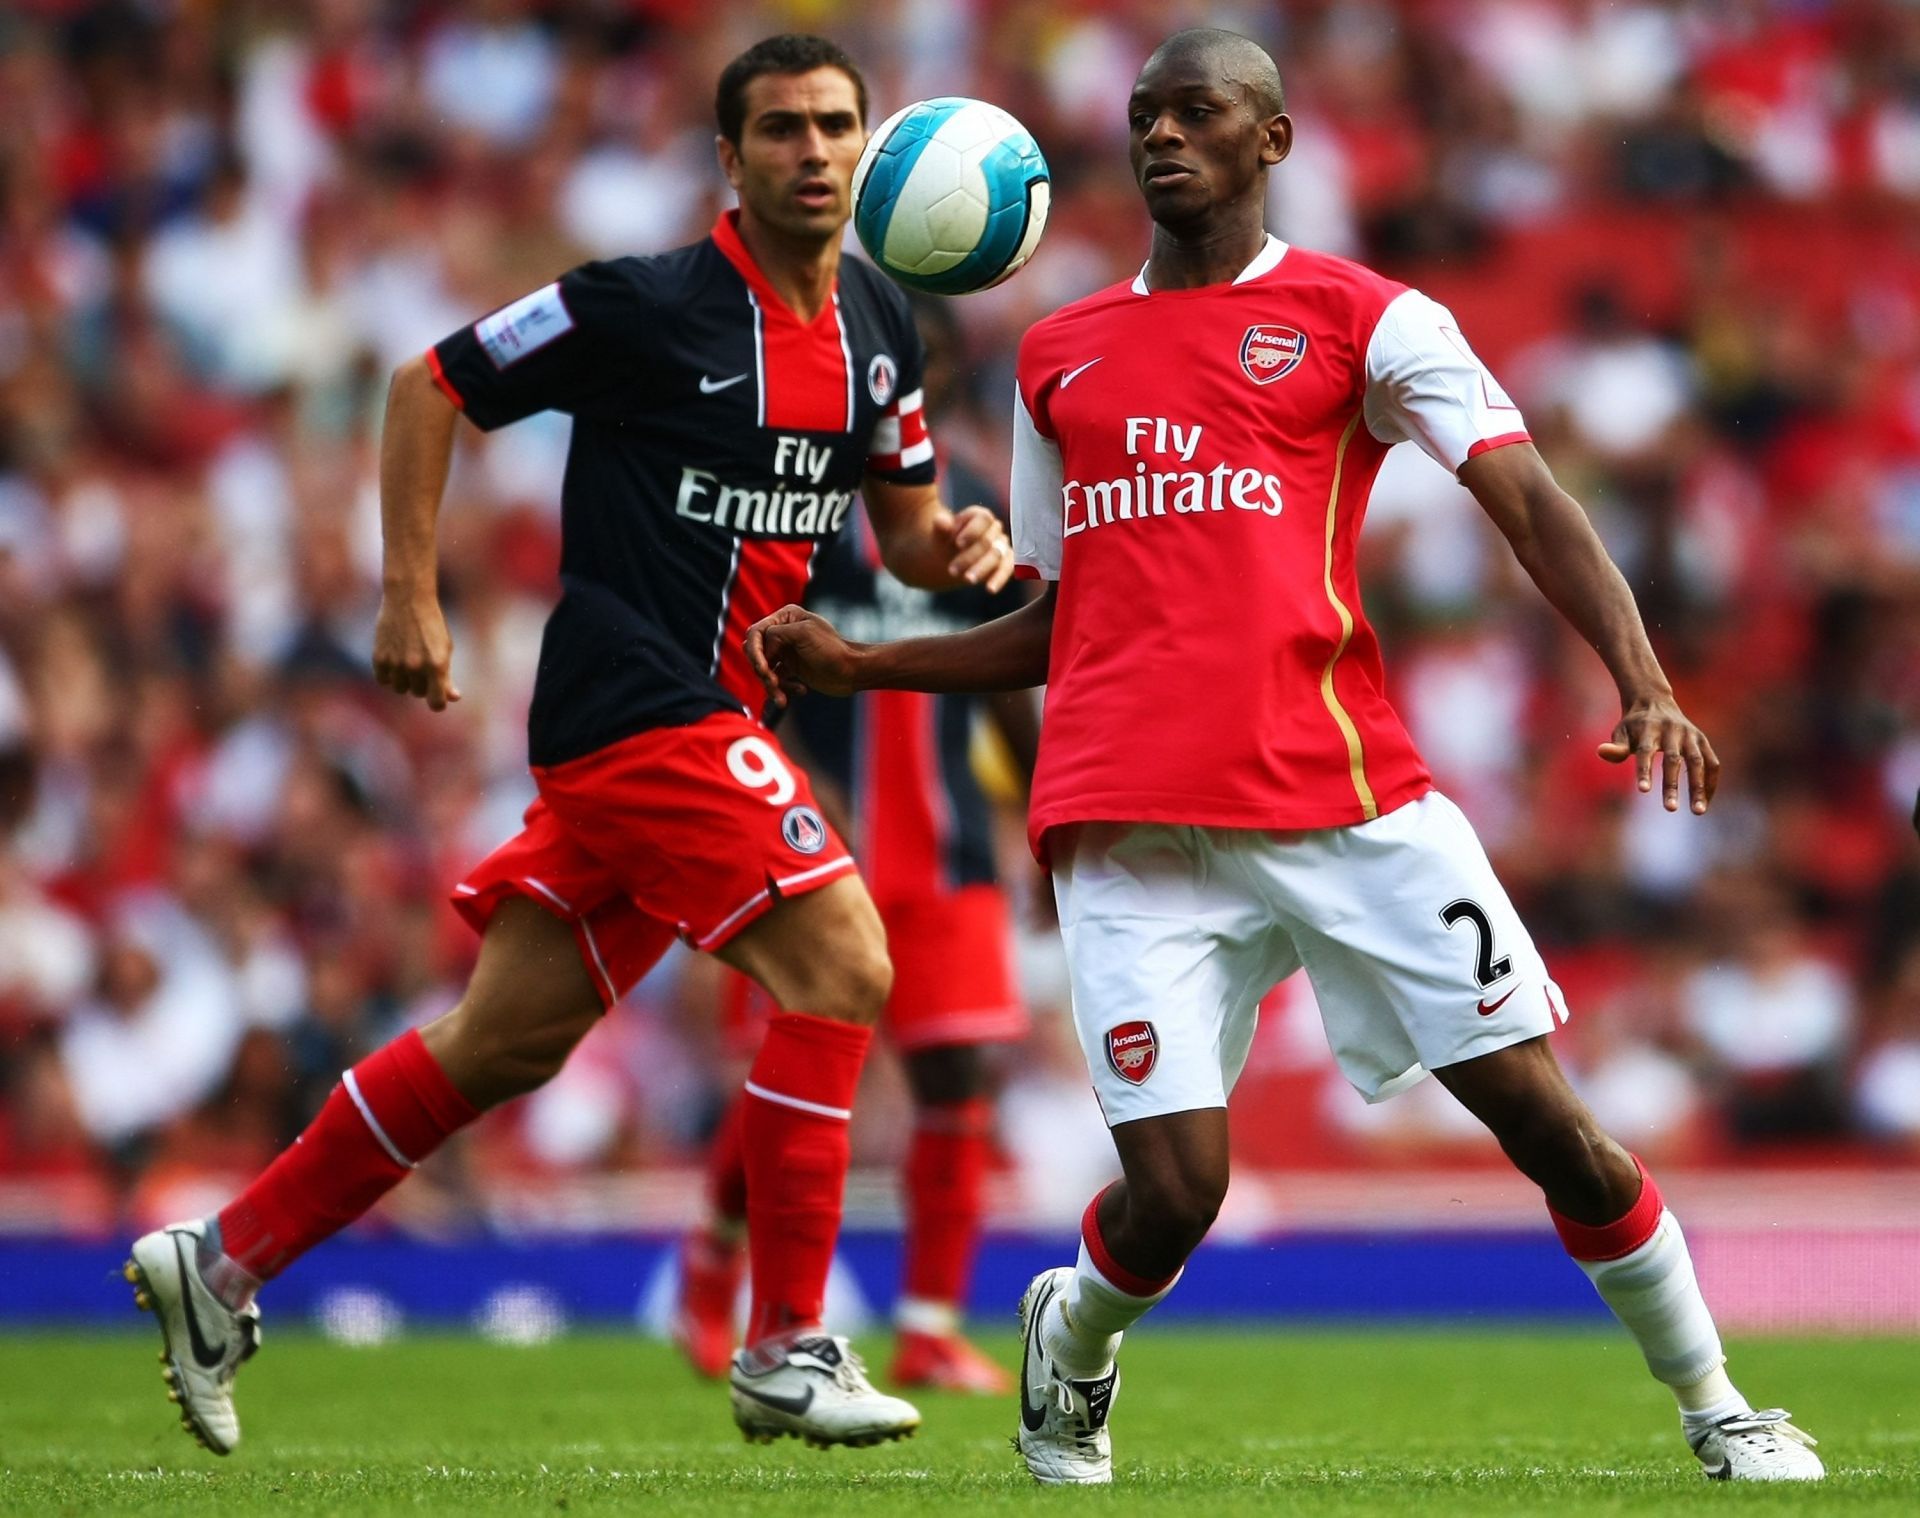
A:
[1176,1173]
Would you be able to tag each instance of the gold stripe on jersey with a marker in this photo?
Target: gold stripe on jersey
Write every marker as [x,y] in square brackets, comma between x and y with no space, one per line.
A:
[1356,757]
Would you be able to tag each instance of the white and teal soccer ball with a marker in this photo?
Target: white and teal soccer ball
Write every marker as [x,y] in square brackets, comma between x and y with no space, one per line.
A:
[951,195]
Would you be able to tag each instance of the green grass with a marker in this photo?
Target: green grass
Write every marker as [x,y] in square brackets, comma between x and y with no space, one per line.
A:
[1206,1425]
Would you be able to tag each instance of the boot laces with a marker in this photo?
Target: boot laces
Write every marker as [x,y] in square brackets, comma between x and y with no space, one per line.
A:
[1762,1427]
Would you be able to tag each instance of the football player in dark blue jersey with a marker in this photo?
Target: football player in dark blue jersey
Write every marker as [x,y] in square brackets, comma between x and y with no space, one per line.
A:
[729,400]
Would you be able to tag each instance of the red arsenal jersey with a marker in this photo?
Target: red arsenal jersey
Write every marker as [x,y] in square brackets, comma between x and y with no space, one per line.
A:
[1192,467]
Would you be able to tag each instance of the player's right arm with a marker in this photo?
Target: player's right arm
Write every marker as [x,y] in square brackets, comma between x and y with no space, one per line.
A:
[571,346]
[412,649]
[796,650]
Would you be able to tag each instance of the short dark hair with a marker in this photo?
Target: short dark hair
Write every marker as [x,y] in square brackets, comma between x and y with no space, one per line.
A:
[1251,65]
[790,53]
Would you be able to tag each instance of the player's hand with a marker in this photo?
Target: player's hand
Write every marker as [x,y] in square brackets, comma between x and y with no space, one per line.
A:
[1656,725]
[795,651]
[413,651]
[982,552]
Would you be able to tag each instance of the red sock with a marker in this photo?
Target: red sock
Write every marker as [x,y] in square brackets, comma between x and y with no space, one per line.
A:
[1609,1241]
[1127,1281]
[727,1166]
[388,1113]
[945,1176]
[799,1100]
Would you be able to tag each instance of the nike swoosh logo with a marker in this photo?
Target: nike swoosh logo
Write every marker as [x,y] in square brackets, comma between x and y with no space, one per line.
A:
[778,1401]
[1099,1398]
[714,386]
[1488,1011]
[208,1355]
[1072,374]
[1030,1416]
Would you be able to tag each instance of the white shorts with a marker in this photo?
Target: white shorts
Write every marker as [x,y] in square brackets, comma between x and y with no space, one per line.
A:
[1175,933]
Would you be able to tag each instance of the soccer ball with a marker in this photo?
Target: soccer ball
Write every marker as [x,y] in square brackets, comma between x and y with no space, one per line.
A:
[950,196]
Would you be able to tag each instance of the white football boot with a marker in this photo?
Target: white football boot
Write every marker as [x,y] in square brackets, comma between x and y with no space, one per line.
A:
[1759,1446]
[817,1391]
[205,1340]
[1063,1423]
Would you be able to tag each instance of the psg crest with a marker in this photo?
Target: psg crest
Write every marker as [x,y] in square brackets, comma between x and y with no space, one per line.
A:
[1133,1049]
[804,831]
[882,376]
[1269,351]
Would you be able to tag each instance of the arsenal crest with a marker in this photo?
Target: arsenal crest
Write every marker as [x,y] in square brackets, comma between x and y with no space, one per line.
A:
[1269,352]
[1132,1050]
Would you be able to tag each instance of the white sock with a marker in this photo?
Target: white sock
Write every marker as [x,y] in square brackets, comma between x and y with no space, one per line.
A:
[225,1276]
[1653,1293]
[916,1315]
[1082,1328]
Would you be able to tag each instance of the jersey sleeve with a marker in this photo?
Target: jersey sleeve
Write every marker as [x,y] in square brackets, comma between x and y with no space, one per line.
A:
[1033,497]
[563,347]
[901,449]
[1425,385]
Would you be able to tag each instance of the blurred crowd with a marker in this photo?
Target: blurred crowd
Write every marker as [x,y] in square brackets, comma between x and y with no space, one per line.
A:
[1685,232]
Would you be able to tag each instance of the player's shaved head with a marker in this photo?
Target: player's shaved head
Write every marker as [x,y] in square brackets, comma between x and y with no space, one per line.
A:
[1229,60]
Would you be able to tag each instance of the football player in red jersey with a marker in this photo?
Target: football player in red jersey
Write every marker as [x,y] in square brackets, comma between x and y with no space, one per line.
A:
[1224,794]
[729,400]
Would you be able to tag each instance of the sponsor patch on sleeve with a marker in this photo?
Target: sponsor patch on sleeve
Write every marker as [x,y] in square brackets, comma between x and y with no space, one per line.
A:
[524,327]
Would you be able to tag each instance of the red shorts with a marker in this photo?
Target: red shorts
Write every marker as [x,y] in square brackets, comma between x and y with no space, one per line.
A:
[953,977]
[689,832]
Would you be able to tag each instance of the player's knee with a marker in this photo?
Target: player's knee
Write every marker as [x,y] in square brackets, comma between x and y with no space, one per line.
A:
[867,981]
[1559,1148]
[946,1074]
[852,981]
[492,1058]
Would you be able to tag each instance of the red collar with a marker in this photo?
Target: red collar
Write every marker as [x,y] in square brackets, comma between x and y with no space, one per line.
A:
[726,237]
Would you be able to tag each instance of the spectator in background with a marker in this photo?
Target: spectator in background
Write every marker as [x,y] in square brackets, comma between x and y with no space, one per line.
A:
[159,1034]
[1773,1021]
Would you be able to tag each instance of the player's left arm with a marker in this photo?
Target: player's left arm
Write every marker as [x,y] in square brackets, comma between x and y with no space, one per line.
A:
[1558,548]
[929,545]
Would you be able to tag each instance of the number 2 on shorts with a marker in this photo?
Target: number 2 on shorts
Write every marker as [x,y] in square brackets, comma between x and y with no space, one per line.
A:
[757,765]
[1486,969]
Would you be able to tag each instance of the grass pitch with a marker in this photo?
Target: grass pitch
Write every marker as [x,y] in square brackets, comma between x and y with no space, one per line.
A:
[1383,1422]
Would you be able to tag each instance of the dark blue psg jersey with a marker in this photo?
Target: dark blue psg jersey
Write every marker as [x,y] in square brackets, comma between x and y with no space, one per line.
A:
[903,759]
[719,443]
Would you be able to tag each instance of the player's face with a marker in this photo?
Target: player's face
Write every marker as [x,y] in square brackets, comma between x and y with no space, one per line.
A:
[798,148]
[1196,141]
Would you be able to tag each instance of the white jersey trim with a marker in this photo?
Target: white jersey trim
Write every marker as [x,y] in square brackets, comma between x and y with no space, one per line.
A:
[1427,386]
[759,360]
[1034,498]
[846,356]
[1264,262]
